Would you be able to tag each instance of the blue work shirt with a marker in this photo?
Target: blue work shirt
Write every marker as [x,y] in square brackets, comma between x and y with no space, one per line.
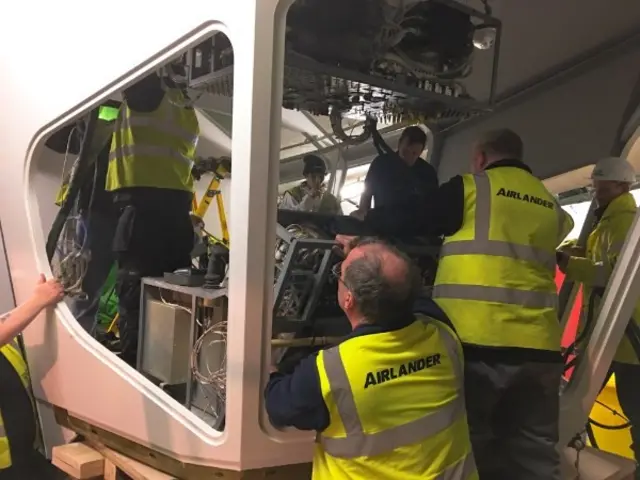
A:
[392,182]
[295,399]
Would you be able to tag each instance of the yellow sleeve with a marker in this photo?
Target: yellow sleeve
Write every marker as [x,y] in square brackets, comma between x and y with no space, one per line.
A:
[595,273]
[619,232]
[584,270]
[567,226]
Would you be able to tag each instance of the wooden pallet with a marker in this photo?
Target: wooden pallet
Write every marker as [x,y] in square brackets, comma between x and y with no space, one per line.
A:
[100,439]
[83,462]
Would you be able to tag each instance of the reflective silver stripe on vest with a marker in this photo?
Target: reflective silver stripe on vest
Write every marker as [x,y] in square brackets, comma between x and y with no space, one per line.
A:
[3,432]
[482,245]
[165,126]
[461,470]
[500,249]
[561,220]
[148,151]
[357,442]
[524,298]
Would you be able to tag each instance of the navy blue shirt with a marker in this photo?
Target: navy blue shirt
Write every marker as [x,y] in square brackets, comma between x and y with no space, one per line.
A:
[393,182]
[440,214]
[295,400]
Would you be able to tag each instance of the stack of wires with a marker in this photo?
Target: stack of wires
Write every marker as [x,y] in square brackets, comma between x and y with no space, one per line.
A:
[214,380]
[214,337]
[72,258]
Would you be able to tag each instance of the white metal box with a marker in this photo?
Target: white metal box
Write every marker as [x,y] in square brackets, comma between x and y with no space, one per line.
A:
[165,349]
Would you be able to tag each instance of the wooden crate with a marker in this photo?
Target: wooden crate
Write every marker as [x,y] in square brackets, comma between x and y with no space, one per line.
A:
[83,462]
[78,460]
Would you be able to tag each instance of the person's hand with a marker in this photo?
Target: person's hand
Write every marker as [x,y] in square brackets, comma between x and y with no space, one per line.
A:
[47,292]
[571,248]
[345,242]
[273,369]
[370,124]
[359,214]
[196,221]
[315,190]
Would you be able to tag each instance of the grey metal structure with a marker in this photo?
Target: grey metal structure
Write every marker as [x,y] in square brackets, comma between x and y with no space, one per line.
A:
[549,110]
[303,279]
[161,351]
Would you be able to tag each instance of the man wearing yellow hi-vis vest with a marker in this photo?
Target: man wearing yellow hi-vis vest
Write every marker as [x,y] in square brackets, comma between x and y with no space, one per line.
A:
[612,178]
[496,281]
[388,401]
[152,154]
[18,426]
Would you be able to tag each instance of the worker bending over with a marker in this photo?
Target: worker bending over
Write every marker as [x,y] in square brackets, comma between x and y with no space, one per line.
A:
[496,282]
[311,195]
[398,178]
[152,153]
[18,426]
[612,179]
[387,402]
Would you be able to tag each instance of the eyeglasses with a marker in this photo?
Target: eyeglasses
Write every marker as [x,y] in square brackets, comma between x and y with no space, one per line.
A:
[336,270]
[336,273]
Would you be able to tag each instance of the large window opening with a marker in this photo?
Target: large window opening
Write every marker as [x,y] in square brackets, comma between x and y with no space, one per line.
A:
[134,196]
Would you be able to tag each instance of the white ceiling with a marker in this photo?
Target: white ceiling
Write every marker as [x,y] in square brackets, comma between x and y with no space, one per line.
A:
[540,34]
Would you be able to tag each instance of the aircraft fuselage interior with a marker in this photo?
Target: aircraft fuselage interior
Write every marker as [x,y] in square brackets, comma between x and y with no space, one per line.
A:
[272,82]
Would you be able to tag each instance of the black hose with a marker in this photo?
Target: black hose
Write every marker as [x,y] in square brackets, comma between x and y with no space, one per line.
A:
[591,436]
[382,147]
[608,427]
[78,178]
[581,336]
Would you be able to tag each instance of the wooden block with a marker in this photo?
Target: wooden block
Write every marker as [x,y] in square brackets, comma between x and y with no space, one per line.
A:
[136,470]
[78,460]
[110,471]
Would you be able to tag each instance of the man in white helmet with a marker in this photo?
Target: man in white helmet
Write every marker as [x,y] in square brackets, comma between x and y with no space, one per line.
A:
[612,179]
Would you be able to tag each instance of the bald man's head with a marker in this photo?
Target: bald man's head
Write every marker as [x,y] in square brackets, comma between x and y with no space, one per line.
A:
[496,145]
[380,283]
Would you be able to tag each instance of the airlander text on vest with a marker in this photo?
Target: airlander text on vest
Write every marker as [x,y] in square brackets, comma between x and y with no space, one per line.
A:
[386,374]
[525,197]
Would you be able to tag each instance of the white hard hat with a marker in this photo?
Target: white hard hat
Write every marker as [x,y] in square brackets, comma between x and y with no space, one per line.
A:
[614,169]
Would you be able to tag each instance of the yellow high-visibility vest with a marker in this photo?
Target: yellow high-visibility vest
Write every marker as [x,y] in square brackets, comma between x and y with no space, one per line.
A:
[154,149]
[601,255]
[396,407]
[12,353]
[496,276]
